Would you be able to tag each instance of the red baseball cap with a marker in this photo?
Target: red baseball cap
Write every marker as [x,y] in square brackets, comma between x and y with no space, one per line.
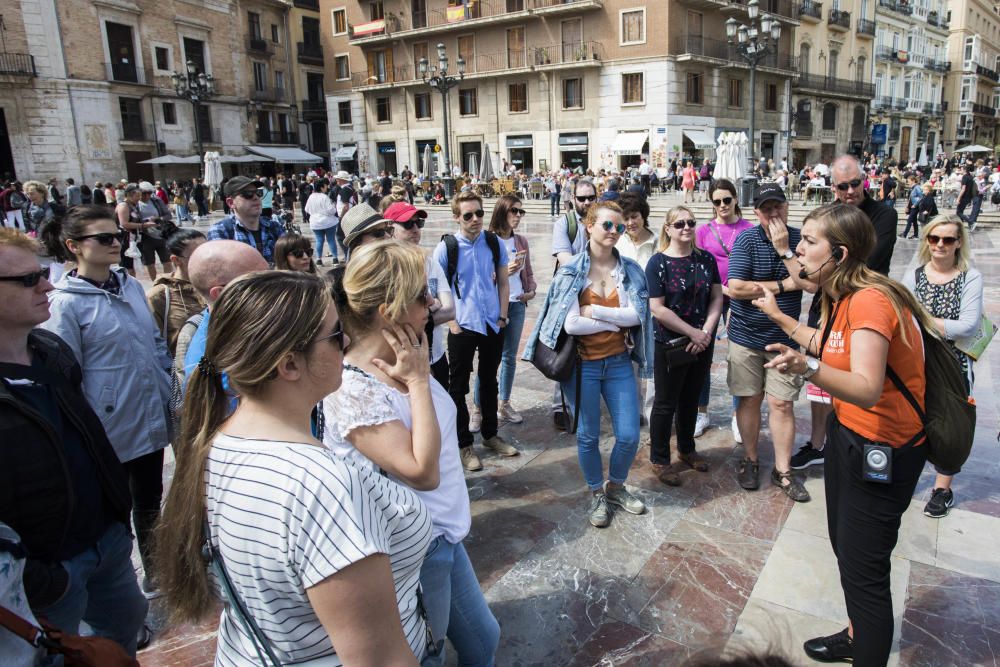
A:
[402,212]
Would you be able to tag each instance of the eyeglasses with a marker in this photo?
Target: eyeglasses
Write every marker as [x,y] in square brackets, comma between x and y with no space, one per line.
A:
[518,211]
[724,201]
[380,233]
[419,222]
[587,198]
[469,215]
[105,238]
[619,228]
[337,335]
[934,239]
[299,253]
[679,224]
[248,194]
[845,186]
[28,279]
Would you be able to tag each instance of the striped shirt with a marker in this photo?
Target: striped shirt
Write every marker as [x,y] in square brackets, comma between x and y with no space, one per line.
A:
[288,515]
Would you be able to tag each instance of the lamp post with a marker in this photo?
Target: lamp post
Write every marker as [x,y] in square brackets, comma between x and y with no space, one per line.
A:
[437,77]
[195,87]
[754,41]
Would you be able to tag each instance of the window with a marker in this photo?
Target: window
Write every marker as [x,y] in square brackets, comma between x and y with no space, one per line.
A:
[376,11]
[572,41]
[515,47]
[736,93]
[383,112]
[862,68]
[695,88]
[572,93]
[418,9]
[342,66]
[194,50]
[279,80]
[517,97]
[467,51]
[468,101]
[259,76]
[131,116]
[422,106]
[419,51]
[275,35]
[339,21]
[632,92]
[379,66]
[804,51]
[633,26]
[771,97]
[253,19]
[832,64]
[515,5]
[344,113]
[830,116]
[161,57]
[169,113]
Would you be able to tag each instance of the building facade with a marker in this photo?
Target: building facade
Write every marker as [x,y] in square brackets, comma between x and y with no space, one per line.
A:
[304,19]
[974,77]
[591,83]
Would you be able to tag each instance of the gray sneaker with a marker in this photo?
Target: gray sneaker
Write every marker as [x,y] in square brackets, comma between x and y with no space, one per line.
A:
[600,513]
[617,494]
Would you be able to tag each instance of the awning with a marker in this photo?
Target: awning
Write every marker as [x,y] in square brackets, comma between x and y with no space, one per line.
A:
[172,159]
[630,143]
[243,158]
[286,154]
[700,138]
[346,153]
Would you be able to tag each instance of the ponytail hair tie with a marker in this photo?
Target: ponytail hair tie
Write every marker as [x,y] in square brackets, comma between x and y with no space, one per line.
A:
[207,367]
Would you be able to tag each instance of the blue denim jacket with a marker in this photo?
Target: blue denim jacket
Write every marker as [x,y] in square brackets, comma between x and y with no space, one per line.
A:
[567,285]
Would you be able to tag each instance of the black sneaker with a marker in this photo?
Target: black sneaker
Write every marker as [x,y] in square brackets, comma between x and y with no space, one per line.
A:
[748,474]
[145,637]
[835,648]
[940,503]
[807,456]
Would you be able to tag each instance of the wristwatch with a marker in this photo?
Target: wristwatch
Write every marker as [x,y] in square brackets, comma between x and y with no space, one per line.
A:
[505,320]
[788,254]
[812,365]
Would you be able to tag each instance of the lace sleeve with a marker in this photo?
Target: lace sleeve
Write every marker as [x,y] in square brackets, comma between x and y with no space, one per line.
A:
[361,401]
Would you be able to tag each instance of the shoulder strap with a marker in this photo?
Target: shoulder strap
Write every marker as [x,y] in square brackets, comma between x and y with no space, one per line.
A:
[718,237]
[20,627]
[571,225]
[451,248]
[166,313]
[494,243]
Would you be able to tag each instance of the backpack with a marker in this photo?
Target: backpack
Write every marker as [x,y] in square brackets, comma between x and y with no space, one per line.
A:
[703,174]
[571,226]
[451,246]
[17,200]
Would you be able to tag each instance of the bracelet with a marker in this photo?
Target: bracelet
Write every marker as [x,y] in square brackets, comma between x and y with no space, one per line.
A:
[781,286]
[792,335]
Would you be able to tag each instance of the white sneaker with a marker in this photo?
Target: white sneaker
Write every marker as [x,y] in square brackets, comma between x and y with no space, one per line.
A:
[736,431]
[700,424]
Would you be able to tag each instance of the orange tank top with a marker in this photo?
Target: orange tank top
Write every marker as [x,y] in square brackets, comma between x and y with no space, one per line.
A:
[602,344]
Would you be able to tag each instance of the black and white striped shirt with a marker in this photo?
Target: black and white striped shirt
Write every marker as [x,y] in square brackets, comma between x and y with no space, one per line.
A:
[286,516]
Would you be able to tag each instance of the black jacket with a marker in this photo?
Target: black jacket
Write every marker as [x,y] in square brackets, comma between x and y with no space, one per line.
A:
[885,220]
[927,206]
[36,487]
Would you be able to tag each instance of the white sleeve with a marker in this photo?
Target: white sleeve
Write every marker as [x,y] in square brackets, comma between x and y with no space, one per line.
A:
[361,401]
[621,317]
[578,325]
[437,273]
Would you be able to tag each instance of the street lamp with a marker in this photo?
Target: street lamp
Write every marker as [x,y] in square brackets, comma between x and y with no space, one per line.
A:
[754,41]
[437,78]
[195,87]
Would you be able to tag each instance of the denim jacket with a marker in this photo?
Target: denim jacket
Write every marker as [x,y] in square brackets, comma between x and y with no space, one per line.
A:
[567,285]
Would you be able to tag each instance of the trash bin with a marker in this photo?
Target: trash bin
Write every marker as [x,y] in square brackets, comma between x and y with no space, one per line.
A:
[747,188]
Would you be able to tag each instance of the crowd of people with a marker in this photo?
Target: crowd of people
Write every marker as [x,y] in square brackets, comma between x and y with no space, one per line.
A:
[323,420]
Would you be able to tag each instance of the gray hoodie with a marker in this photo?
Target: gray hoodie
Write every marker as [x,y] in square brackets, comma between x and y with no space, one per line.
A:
[124,359]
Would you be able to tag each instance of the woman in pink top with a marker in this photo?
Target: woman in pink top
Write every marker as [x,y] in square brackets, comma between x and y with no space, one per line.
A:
[688,179]
[717,238]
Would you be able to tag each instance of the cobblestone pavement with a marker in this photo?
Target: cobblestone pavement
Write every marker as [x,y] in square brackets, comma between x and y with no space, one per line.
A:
[709,563]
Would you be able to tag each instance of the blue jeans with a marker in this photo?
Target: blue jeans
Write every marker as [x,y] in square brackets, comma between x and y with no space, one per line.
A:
[554,198]
[508,358]
[456,607]
[183,214]
[103,591]
[613,379]
[328,235]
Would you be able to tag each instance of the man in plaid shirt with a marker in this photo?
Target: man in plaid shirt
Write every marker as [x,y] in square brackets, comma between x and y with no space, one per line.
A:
[245,224]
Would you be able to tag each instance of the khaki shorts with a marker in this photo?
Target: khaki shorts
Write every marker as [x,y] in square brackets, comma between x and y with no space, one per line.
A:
[747,376]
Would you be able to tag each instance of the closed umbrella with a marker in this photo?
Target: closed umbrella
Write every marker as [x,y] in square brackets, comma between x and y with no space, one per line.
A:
[922,160]
[473,165]
[742,155]
[486,172]
[427,161]
[213,169]
[442,171]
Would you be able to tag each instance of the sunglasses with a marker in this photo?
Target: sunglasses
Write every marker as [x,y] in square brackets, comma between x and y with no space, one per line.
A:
[588,198]
[248,194]
[469,215]
[619,228]
[518,211]
[105,238]
[337,335]
[28,279]
[845,186]
[419,222]
[299,253]
[679,224]
[724,201]
[380,233]
[934,239]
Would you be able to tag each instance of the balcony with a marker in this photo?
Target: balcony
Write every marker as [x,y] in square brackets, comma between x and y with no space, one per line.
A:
[983,109]
[858,132]
[938,22]
[937,65]
[268,95]
[866,28]
[811,12]
[454,18]
[313,109]
[575,53]
[259,46]
[693,47]
[803,128]
[19,64]
[990,74]
[307,4]
[310,53]
[899,6]
[832,85]
[839,20]
[125,73]
[892,55]
[963,133]
[268,137]
[133,131]
[932,109]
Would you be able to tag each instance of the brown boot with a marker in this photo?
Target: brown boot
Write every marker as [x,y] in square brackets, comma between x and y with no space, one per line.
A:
[668,474]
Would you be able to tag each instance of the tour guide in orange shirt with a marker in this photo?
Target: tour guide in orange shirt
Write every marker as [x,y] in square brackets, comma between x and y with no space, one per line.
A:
[867,323]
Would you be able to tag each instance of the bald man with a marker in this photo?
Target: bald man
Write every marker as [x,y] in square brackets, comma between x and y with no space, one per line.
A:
[848,187]
[212,266]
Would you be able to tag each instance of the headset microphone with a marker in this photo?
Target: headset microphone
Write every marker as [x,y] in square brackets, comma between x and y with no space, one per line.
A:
[804,275]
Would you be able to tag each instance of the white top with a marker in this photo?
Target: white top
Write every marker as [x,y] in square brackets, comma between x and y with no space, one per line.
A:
[437,282]
[640,253]
[363,400]
[322,212]
[514,281]
[14,651]
[285,516]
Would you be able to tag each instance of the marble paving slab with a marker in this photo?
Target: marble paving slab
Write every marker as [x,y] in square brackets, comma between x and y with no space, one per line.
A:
[968,543]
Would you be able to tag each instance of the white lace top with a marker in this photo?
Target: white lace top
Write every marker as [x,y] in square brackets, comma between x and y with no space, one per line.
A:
[363,400]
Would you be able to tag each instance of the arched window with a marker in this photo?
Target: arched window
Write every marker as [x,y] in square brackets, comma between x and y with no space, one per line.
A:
[804,58]
[830,116]
[832,64]
[860,71]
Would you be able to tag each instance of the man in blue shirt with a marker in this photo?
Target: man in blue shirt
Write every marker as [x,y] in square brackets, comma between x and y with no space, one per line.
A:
[246,224]
[764,258]
[481,295]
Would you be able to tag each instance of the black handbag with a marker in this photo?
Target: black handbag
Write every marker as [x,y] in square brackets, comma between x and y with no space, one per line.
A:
[556,363]
[676,354]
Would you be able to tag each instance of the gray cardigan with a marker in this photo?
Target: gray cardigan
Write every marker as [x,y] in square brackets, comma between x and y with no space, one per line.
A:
[971,313]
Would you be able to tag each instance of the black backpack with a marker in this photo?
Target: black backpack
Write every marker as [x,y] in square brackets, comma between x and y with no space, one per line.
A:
[451,246]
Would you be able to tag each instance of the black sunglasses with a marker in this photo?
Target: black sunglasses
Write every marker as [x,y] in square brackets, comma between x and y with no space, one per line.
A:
[843,187]
[248,194]
[679,224]
[380,233]
[300,253]
[518,211]
[28,279]
[104,238]
[934,239]
[337,335]
[725,200]
[478,213]
[587,198]
[419,222]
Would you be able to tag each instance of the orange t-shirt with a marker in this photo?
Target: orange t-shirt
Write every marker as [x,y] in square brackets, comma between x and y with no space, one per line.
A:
[603,344]
[892,420]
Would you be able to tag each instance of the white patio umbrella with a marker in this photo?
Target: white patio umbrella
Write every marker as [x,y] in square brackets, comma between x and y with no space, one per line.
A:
[822,169]
[723,165]
[922,160]
[742,153]
[427,161]
[213,170]
[975,148]
[486,171]
[442,171]
[473,165]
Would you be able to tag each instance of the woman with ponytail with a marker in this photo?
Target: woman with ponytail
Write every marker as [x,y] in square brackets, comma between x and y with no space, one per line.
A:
[324,555]
[869,325]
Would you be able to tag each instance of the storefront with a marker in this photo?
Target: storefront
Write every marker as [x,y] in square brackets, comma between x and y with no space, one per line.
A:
[420,166]
[346,158]
[387,156]
[574,150]
[629,147]
[471,152]
[520,150]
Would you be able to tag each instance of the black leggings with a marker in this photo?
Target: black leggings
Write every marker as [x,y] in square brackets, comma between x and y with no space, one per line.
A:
[863,519]
[677,393]
[145,481]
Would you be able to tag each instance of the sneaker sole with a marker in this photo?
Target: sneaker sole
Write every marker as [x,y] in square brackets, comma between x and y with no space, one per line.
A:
[812,462]
[947,510]
[618,504]
[600,525]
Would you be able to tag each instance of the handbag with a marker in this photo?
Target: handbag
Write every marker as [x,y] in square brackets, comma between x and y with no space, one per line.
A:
[676,354]
[76,651]
[556,363]
[176,401]
[132,251]
[976,344]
